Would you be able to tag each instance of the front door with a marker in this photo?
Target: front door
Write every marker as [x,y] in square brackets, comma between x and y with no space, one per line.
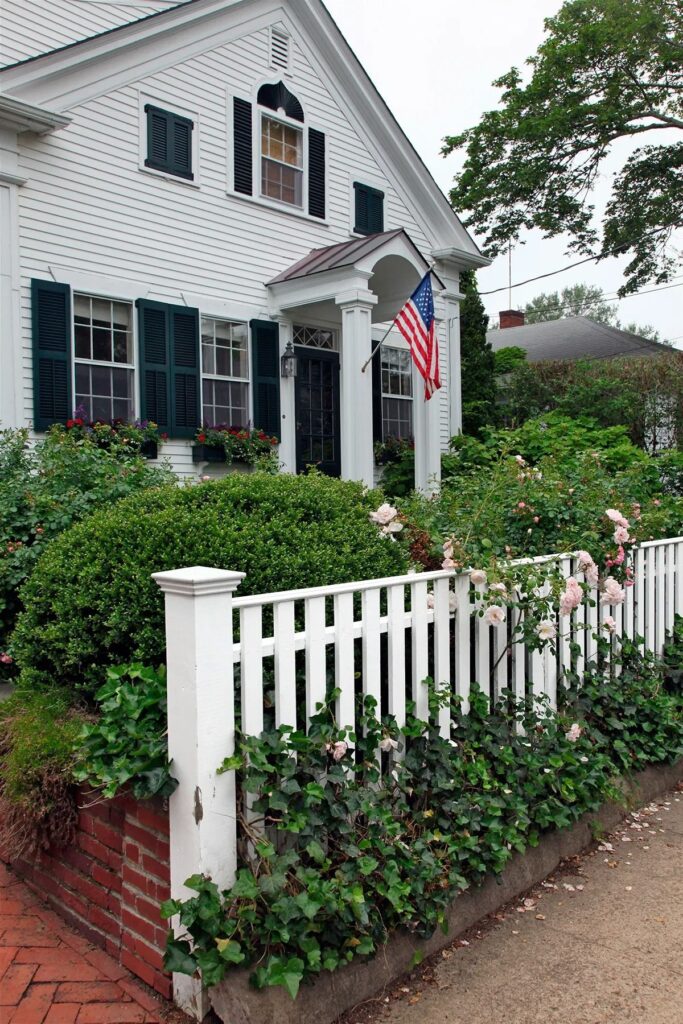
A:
[317,411]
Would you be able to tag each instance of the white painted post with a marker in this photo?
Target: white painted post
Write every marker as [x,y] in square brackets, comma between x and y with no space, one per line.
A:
[201,732]
[356,388]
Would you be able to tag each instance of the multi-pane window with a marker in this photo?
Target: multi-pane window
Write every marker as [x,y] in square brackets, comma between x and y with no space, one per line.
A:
[282,161]
[103,351]
[315,337]
[225,372]
[397,393]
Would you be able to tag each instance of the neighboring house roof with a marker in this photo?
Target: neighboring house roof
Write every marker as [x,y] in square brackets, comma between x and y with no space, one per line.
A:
[344,254]
[64,78]
[574,337]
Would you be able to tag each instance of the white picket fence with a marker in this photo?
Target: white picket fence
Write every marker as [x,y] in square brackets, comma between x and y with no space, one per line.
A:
[274,657]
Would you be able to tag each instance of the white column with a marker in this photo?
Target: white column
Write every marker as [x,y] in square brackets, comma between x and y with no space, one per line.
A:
[287,405]
[201,733]
[11,412]
[356,387]
[452,313]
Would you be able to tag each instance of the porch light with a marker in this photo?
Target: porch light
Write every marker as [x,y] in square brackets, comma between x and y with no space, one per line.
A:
[288,361]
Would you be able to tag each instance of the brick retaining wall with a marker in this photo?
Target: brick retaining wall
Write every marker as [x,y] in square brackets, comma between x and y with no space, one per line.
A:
[109,884]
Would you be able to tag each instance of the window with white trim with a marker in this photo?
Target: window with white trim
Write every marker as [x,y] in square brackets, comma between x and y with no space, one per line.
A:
[104,369]
[282,161]
[225,372]
[397,393]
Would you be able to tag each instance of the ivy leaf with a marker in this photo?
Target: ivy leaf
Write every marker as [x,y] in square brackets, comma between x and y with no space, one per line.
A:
[286,973]
[178,958]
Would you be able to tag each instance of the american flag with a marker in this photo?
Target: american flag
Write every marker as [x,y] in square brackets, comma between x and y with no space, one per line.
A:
[416,324]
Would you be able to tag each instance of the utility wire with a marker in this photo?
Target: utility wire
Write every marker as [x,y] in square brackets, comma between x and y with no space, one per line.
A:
[568,305]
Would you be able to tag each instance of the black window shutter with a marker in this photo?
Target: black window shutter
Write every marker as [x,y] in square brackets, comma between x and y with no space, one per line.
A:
[155,371]
[316,173]
[51,325]
[169,142]
[377,421]
[184,329]
[242,132]
[265,359]
[369,219]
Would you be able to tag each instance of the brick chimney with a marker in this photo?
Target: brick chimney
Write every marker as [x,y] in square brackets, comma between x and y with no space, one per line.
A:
[511,318]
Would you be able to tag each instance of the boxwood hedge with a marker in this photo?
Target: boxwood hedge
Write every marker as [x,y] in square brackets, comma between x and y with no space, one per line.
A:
[91,602]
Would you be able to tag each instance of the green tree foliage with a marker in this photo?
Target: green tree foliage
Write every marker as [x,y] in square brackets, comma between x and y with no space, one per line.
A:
[506,359]
[583,300]
[477,359]
[607,70]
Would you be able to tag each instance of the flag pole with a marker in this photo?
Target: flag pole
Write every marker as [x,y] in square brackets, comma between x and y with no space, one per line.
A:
[384,338]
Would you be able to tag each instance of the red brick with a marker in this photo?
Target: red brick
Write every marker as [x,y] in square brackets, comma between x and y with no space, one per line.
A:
[155,979]
[143,951]
[34,1006]
[136,992]
[106,878]
[154,820]
[159,868]
[63,1013]
[77,860]
[61,954]
[106,922]
[7,955]
[27,937]
[117,815]
[111,1013]
[66,971]
[131,852]
[88,992]
[105,965]
[138,926]
[10,907]
[15,982]
[108,836]
[148,840]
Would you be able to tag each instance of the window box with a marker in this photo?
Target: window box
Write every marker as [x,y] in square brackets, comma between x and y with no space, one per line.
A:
[208,453]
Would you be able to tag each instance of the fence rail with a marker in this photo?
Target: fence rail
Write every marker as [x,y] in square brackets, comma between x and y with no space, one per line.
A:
[272,658]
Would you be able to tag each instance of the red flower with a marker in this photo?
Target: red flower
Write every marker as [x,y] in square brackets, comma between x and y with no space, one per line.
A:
[164,437]
[78,421]
[261,436]
[201,437]
[273,440]
[70,424]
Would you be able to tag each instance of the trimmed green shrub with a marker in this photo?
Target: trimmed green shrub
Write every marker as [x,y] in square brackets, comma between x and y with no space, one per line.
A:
[91,602]
[47,488]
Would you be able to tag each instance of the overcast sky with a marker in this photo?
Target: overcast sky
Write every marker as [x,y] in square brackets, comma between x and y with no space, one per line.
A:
[434,61]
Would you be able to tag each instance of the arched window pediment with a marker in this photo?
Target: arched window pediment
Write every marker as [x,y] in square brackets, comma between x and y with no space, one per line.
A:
[276,96]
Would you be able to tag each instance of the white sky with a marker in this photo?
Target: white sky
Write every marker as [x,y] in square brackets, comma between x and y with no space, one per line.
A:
[434,61]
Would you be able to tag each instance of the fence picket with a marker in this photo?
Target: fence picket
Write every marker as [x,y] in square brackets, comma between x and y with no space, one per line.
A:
[396,637]
[670,576]
[462,640]
[678,589]
[442,649]
[482,654]
[639,594]
[650,598]
[371,650]
[345,679]
[285,665]
[660,601]
[251,663]
[420,647]
[316,655]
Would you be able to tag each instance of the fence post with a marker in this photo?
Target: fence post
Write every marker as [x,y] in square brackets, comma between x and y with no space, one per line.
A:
[201,732]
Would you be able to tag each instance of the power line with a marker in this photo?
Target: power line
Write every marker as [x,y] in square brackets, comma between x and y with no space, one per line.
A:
[607,298]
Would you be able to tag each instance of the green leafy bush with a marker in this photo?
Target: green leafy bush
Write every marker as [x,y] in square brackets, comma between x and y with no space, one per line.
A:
[46,488]
[91,601]
[508,358]
[350,854]
[38,735]
[126,747]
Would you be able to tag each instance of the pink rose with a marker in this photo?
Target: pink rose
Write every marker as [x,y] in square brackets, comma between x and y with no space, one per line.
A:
[571,597]
[478,577]
[494,615]
[337,749]
[574,732]
[612,593]
[609,623]
[384,514]
[621,535]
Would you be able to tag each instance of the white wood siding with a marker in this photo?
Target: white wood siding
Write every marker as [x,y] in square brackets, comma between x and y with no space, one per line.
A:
[30,27]
[88,211]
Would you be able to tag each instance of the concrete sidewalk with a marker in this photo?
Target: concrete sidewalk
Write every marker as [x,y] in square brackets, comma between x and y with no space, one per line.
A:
[599,942]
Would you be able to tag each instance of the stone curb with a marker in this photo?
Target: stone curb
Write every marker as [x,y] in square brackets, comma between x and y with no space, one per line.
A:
[237,1002]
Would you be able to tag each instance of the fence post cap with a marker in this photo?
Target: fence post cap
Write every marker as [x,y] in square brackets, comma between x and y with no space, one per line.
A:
[197,580]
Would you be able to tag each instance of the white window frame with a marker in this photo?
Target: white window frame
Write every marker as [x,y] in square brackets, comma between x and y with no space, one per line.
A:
[221,377]
[76,360]
[167,103]
[264,113]
[405,398]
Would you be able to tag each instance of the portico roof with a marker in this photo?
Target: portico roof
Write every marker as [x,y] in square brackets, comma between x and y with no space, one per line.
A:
[346,254]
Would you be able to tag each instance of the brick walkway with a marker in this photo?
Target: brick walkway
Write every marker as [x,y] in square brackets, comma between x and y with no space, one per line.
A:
[51,975]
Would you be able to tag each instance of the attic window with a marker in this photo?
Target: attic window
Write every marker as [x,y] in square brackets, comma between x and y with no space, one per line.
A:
[279,49]
[276,96]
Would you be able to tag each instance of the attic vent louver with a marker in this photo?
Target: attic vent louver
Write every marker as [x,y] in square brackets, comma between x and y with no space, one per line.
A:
[279,49]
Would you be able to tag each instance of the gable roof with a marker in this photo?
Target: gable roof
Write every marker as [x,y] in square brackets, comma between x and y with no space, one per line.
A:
[73,74]
[574,337]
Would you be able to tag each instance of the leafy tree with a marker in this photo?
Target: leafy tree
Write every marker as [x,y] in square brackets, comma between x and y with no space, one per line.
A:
[477,359]
[576,300]
[608,70]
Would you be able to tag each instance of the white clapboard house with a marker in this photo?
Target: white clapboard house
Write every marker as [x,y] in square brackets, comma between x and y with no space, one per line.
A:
[185,195]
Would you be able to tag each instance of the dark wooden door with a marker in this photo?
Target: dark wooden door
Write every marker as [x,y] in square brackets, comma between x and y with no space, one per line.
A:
[317,411]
